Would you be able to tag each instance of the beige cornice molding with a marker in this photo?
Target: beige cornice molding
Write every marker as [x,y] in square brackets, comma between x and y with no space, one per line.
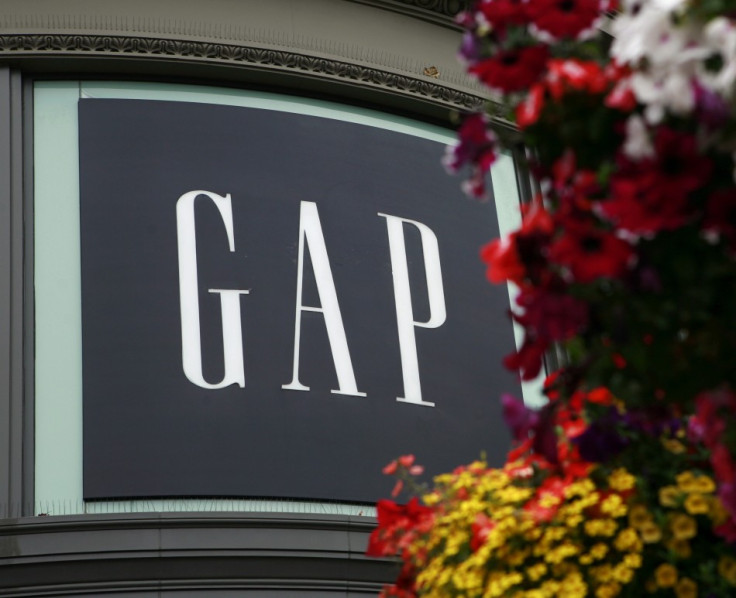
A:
[50,45]
[391,52]
[441,12]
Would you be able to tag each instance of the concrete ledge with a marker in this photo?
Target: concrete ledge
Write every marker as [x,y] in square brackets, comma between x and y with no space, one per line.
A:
[174,554]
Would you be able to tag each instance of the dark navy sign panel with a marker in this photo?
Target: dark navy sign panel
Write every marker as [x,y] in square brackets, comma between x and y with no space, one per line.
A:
[281,194]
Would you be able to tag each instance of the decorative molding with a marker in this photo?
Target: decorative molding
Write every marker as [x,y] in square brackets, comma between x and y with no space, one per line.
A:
[445,7]
[67,45]
[440,12]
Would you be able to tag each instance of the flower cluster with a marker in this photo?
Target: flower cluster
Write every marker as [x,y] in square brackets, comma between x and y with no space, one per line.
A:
[551,524]
[625,263]
[625,257]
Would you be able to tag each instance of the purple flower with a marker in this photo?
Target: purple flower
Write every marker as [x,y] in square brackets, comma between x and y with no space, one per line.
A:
[711,108]
[545,434]
[519,418]
[469,48]
[603,439]
[476,149]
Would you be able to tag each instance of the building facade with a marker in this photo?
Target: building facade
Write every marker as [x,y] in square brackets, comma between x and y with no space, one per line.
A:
[297,140]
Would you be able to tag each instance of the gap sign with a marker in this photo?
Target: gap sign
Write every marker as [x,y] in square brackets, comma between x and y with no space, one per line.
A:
[276,305]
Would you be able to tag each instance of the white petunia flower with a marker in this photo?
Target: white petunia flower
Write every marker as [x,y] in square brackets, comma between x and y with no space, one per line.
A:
[666,57]
[638,145]
[719,37]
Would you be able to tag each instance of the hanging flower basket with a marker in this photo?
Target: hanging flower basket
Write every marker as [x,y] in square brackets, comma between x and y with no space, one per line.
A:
[624,484]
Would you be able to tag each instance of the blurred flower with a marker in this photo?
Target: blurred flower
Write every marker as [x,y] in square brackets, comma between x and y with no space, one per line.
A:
[519,418]
[512,70]
[557,19]
[475,149]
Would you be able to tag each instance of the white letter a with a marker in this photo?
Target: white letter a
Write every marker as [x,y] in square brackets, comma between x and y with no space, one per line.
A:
[310,233]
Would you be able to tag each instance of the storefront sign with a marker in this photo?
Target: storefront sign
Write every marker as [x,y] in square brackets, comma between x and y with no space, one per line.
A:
[276,305]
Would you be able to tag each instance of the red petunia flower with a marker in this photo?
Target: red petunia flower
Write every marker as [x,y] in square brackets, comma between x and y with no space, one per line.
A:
[564,76]
[590,253]
[575,75]
[398,525]
[522,254]
[565,18]
[725,470]
[512,70]
[502,259]
[528,359]
[528,111]
[551,315]
[547,316]
[574,188]
[720,216]
[653,194]
[482,526]
[621,97]
[502,13]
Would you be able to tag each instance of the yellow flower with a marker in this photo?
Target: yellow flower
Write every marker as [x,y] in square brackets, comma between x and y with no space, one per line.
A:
[517,557]
[600,527]
[614,506]
[582,487]
[621,480]
[686,481]
[683,527]
[632,560]
[599,550]
[585,560]
[704,484]
[673,446]
[668,496]
[681,548]
[550,588]
[554,534]
[638,516]
[718,512]
[573,520]
[727,569]
[696,504]
[573,586]
[627,539]
[561,552]
[665,575]
[650,532]
[623,573]
[536,571]
[431,499]
[499,582]
[686,588]
[602,573]
[608,590]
